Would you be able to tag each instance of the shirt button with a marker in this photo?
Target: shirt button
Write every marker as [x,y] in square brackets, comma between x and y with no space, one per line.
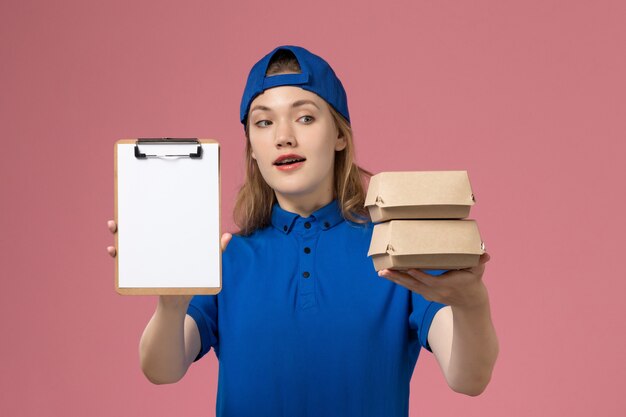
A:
[307,225]
[307,250]
[306,274]
[326,225]
[285,228]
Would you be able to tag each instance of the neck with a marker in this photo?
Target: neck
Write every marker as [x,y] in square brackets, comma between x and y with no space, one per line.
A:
[303,205]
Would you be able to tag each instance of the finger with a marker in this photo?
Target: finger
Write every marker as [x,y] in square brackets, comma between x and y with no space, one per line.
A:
[484,258]
[422,276]
[112,226]
[112,251]
[405,280]
[226,237]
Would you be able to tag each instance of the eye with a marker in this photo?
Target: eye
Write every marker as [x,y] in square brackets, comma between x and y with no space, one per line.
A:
[309,120]
[262,121]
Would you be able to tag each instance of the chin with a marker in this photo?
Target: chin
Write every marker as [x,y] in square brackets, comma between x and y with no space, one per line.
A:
[293,189]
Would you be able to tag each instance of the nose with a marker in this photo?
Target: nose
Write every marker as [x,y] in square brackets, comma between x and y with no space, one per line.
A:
[285,135]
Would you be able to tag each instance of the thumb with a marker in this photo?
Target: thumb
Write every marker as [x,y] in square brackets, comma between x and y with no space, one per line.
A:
[225,239]
[484,258]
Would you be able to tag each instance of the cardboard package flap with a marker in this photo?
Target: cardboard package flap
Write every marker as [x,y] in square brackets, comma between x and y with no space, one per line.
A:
[419,195]
[432,244]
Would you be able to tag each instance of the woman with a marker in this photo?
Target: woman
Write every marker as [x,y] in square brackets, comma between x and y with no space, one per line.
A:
[303,324]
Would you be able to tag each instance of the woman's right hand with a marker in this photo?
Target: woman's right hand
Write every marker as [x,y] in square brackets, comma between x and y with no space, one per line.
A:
[113,229]
[161,346]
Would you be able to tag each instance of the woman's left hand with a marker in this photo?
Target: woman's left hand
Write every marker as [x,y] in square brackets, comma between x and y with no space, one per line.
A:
[458,288]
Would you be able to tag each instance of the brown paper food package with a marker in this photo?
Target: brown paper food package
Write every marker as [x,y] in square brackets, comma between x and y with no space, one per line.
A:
[419,195]
[428,244]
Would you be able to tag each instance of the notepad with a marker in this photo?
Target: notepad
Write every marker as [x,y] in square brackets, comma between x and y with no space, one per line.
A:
[167,209]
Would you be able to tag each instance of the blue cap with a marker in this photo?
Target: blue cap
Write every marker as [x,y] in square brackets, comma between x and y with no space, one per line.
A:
[317,76]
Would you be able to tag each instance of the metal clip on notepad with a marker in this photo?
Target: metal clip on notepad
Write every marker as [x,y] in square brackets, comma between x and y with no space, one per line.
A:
[168,141]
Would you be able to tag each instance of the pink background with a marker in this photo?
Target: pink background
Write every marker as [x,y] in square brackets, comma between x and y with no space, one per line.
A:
[528,96]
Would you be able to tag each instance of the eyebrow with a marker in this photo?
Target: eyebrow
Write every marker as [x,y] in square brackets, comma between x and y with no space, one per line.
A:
[295,104]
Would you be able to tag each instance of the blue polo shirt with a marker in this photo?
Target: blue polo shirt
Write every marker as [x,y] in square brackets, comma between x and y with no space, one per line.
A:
[304,326]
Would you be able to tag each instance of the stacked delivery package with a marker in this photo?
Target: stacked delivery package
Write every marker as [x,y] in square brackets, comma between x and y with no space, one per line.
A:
[421,221]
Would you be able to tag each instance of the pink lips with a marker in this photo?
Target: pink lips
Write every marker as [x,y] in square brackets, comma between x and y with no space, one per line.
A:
[289,167]
[288,156]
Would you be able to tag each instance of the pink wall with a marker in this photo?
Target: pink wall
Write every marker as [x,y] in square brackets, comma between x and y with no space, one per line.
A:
[529,97]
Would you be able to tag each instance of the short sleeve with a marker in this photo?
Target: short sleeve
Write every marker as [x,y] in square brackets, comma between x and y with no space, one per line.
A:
[421,317]
[203,309]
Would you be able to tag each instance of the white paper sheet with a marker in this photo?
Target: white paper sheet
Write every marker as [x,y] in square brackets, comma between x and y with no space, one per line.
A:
[168,218]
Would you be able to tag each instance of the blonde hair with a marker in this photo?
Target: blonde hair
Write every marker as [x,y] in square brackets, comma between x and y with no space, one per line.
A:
[253,205]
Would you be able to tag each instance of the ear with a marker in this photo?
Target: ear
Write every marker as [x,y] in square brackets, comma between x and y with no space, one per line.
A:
[253,155]
[341,143]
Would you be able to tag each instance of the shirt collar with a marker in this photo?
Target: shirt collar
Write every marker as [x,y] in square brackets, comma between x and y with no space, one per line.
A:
[324,218]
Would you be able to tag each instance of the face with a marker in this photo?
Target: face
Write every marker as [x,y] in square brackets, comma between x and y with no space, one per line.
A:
[289,120]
